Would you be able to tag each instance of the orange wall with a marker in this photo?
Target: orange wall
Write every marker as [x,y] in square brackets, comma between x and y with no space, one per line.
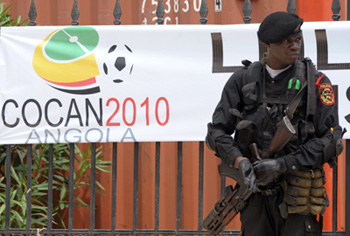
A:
[100,12]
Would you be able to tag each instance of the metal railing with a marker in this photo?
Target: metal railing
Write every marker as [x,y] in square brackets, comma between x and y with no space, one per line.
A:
[49,230]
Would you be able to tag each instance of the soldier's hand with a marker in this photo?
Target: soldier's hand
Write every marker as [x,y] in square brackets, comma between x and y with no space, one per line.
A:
[247,171]
[268,170]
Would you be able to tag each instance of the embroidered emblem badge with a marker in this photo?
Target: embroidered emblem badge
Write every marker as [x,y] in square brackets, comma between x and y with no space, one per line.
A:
[326,94]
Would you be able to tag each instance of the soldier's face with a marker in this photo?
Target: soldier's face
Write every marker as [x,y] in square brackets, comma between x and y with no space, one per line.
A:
[284,53]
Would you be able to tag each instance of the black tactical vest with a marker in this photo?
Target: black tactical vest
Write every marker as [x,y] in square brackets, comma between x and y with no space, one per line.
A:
[265,112]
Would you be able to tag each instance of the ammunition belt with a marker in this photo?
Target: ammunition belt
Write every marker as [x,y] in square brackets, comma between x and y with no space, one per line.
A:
[304,193]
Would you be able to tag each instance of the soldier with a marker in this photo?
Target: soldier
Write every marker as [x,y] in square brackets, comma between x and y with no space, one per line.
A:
[288,184]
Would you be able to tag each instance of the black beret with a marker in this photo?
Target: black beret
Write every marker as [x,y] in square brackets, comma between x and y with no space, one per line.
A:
[278,26]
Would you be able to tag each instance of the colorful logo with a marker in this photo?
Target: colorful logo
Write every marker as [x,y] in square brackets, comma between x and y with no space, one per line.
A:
[327,94]
[64,59]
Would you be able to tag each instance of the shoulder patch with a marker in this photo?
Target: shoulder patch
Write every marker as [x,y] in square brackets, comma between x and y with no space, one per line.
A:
[326,94]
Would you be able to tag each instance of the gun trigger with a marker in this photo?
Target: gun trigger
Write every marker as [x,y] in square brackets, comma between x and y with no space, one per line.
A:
[228,190]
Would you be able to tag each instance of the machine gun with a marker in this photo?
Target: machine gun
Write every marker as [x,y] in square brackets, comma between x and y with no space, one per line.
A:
[236,199]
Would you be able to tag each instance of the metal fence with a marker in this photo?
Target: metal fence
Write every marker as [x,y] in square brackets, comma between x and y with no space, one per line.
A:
[70,230]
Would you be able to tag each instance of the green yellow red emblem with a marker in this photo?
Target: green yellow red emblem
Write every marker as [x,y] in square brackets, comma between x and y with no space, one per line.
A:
[326,94]
[65,60]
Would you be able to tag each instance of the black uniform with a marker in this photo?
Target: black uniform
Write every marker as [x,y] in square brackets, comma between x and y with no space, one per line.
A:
[263,103]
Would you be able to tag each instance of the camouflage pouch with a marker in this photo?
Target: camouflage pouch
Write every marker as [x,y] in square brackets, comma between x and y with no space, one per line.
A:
[304,193]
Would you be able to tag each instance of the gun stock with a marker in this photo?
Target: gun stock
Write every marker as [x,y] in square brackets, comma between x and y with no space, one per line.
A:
[284,133]
[228,207]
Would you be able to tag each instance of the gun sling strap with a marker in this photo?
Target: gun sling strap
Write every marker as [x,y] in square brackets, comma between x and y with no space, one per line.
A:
[311,98]
[289,111]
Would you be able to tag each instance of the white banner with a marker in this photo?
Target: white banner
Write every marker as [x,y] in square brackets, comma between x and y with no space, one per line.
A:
[136,83]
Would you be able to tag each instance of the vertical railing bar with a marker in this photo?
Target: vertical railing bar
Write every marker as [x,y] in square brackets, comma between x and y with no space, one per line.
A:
[335,200]
[347,189]
[92,188]
[117,13]
[136,184]
[200,187]
[335,184]
[75,13]
[160,12]
[71,187]
[8,189]
[32,14]
[29,188]
[179,187]
[157,181]
[203,12]
[223,185]
[335,10]
[114,187]
[222,192]
[50,190]
[291,8]
[247,10]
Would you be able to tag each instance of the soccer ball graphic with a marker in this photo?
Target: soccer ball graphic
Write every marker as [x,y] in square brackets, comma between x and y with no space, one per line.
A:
[119,64]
